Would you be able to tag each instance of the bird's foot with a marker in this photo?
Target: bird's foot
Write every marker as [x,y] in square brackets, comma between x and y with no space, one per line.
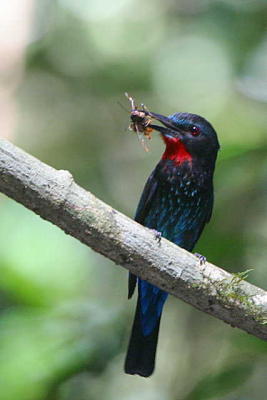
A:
[202,259]
[157,235]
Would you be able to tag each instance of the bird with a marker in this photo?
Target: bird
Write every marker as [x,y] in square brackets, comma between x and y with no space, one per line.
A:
[176,202]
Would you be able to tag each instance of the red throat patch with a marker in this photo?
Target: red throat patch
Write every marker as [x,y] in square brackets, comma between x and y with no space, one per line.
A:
[175,151]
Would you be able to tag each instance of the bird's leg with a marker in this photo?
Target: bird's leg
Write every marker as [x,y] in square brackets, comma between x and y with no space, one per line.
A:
[157,235]
[202,259]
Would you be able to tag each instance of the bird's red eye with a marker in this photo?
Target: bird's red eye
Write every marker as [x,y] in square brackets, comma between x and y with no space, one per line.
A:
[195,131]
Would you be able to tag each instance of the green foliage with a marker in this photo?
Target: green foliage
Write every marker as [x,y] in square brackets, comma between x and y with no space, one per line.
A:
[240,276]
[64,311]
[217,385]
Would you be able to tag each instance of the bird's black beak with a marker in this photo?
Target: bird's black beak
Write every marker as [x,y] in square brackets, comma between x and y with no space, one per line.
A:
[169,129]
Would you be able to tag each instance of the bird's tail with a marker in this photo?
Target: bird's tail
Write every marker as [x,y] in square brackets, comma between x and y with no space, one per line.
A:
[140,358]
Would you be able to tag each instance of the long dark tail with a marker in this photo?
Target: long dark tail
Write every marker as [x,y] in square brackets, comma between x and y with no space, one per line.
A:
[140,358]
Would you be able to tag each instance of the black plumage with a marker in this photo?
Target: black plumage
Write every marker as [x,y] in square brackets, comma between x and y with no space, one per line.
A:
[177,201]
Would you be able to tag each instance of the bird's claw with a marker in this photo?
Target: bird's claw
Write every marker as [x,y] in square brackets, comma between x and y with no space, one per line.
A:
[157,235]
[202,259]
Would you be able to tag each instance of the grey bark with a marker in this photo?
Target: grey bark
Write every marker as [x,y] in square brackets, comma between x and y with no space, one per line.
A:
[55,196]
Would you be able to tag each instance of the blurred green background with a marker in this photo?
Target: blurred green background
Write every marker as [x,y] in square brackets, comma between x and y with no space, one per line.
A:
[65,65]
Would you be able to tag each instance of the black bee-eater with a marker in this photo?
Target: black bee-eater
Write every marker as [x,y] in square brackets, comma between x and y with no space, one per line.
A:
[177,202]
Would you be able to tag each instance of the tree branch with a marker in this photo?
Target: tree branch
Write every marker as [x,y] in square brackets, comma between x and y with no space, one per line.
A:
[55,196]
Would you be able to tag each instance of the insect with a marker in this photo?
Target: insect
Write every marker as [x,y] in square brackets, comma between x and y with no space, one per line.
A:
[140,122]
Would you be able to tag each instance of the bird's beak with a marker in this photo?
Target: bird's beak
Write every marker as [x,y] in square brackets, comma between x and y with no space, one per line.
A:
[169,129]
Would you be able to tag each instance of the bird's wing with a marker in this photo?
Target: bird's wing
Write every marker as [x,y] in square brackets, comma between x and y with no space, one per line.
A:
[209,207]
[179,217]
[146,198]
[140,215]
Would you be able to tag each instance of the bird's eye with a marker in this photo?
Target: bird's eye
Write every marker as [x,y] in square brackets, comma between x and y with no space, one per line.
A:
[195,131]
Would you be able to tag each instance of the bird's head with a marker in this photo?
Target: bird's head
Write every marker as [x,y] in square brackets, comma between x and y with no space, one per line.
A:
[187,136]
